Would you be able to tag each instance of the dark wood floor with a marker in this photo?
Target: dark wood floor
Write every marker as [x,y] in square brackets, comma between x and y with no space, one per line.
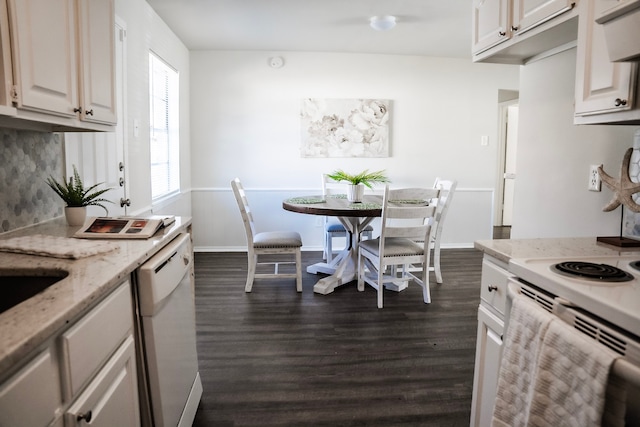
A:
[275,357]
[502,232]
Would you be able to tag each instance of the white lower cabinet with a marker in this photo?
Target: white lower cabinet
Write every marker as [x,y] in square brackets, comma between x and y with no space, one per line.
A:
[99,372]
[88,344]
[85,375]
[31,397]
[488,354]
[493,297]
[111,399]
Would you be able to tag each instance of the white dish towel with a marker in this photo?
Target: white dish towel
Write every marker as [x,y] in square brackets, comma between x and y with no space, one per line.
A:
[55,246]
[527,325]
[551,376]
[571,384]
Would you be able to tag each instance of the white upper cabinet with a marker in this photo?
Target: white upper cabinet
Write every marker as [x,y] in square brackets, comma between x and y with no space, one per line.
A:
[527,14]
[491,23]
[63,61]
[605,91]
[97,64]
[6,74]
[513,31]
[44,55]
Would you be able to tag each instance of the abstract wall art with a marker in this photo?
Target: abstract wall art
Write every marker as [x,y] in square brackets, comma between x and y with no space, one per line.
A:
[345,127]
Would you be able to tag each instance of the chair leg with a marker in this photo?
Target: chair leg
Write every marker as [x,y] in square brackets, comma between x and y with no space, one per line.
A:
[298,270]
[426,292]
[328,247]
[251,271]
[436,260]
[360,272]
[380,286]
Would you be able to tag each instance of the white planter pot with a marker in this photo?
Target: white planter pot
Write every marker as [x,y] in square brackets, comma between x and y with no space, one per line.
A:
[355,193]
[75,215]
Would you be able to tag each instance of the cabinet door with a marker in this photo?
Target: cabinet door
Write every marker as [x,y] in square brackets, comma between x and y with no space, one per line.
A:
[97,62]
[488,356]
[111,399]
[43,39]
[6,74]
[491,23]
[528,14]
[38,383]
[601,85]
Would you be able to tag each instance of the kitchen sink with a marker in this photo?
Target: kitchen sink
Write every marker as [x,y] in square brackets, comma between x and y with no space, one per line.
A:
[18,285]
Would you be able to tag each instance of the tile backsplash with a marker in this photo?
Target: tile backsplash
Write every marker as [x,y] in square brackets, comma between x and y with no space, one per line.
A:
[27,159]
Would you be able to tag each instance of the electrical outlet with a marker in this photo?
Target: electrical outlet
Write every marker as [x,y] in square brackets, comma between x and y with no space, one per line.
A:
[595,184]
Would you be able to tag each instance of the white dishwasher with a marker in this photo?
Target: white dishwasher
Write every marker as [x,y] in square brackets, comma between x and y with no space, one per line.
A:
[170,382]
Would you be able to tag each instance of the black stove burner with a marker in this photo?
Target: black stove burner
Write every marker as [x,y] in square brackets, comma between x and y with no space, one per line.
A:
[635,265]
[591,271]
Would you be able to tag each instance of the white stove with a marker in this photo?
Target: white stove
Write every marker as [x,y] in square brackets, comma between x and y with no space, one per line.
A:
[606,311]
[617,302]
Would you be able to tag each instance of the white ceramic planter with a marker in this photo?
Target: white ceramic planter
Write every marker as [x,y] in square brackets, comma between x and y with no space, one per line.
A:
[75,215]
[355,193]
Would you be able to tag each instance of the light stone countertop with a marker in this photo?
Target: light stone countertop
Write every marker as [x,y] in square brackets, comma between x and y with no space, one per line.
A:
[31,323]
[505,250]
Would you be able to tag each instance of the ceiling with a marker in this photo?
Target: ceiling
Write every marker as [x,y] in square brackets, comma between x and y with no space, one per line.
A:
[424,27]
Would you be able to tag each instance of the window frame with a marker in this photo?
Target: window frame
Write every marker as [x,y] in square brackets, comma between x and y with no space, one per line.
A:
[166,156]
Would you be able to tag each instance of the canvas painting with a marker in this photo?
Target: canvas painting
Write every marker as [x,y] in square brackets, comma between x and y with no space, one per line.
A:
[345,128]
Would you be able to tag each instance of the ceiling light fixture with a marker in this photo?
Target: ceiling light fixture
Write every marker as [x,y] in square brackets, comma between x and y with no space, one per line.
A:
[382,23]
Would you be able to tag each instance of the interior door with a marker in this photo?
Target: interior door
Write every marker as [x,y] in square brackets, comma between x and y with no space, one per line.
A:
[100,156]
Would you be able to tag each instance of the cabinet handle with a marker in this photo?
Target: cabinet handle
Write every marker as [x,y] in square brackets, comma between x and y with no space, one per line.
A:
[86,417]
[514,28]
[492,288]
[77,110]
[620,102]
[89,112]
[125,202]
[502,33]
[121,182]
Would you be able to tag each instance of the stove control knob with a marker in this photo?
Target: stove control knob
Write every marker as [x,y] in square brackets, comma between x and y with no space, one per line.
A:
[492,288]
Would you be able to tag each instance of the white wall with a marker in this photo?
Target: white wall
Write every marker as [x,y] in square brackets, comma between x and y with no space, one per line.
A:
[554,155]
[146,31]
[245,122]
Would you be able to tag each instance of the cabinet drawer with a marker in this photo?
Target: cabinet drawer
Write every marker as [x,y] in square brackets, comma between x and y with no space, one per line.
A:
[494,285]
[90,342]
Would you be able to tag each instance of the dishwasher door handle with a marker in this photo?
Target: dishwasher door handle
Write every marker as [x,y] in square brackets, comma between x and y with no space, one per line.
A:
[168,260]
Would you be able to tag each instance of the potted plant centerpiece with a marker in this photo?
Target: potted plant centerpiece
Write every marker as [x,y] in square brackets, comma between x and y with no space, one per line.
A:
[77,197]
[355,189]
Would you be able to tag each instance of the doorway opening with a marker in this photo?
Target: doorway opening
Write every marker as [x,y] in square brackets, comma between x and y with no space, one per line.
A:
[506,173]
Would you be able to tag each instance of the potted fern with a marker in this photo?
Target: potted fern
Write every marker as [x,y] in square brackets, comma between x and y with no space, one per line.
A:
[355,190]
[77,197]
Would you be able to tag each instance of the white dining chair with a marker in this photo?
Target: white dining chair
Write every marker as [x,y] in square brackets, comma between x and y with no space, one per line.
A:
[267,243]
[332,227]
[407,215]
[447,188]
